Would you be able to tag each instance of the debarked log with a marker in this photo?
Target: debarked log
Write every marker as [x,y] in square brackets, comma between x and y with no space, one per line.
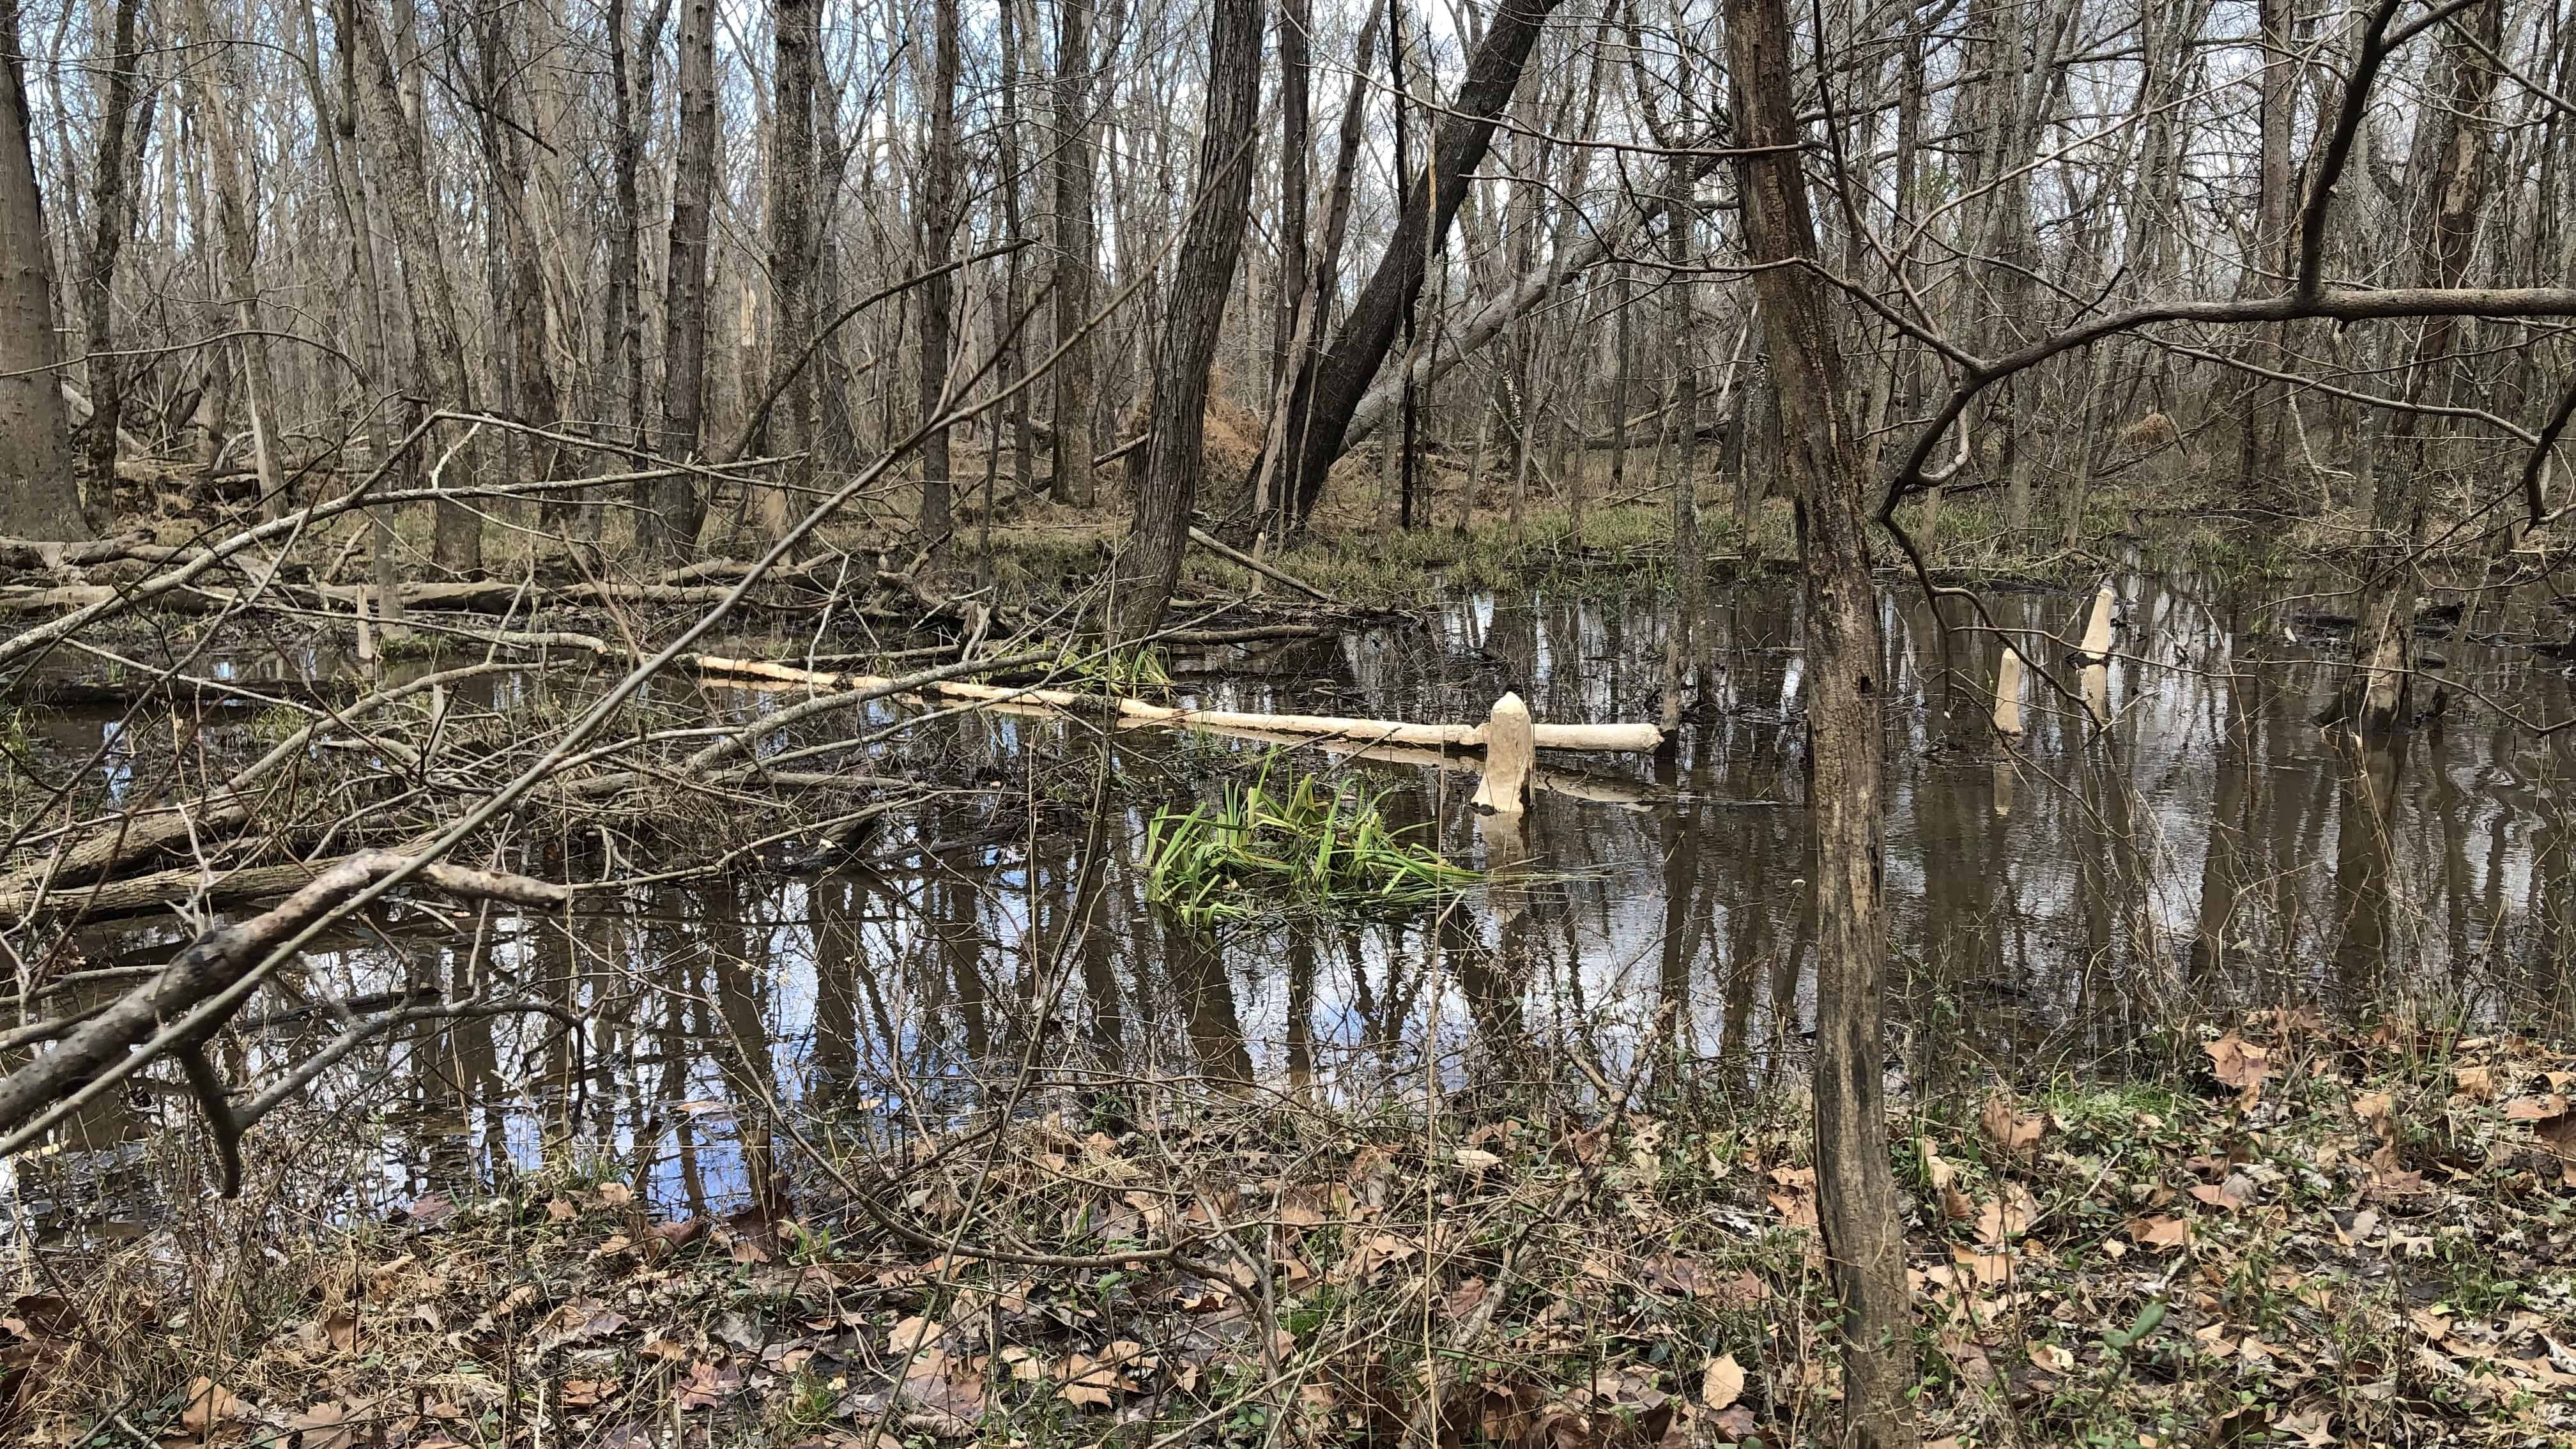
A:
[1617,738]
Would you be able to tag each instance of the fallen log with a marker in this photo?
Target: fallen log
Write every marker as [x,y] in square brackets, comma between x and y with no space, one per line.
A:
[161,888]
[195,823]
[177,1009]
[1610,737]
[1272,572]
[1574,785]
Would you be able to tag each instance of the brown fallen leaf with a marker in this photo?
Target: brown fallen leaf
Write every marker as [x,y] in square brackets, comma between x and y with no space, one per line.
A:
[1796,1199]
[1988,1268]
[2008,1216]
[2239,1064]
[709,1385]
[2475,1083]
[2229,1196]
[2313,1428]
[913,1335]
[2160,1231]
[342,1329]
[324,1426]
[209,1404]
[2558,1135]
[1723,1383]
[561,1210]
[2012,1131]
[615,1194]
[1086,1385]
[579,1320]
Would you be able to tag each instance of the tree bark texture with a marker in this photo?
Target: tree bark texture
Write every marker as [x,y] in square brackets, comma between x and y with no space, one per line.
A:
[2449,166]
[457,546]
[1074,242]
[670,513]
[38,496]
[1174,456]
[939,294]
[797,35]
[1820,461]
[112,220]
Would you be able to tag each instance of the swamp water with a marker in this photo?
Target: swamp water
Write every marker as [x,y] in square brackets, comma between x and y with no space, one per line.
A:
[2083,895]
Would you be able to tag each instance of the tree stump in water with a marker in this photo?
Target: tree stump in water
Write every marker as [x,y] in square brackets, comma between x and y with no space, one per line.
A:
[1511,751]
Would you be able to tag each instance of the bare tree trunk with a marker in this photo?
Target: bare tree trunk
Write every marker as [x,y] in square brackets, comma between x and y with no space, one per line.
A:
[1328,396]
[2259,459]
[669,511]
[1624,343]
[458,542]
[1013,358]
[1174,459]
[796,35]
[1074,241]
[39,498]
[1687,566]
[1296,128]
[2449,170]
[240,252]
[1846,746]
[938,295]
[112,215]
[519,296]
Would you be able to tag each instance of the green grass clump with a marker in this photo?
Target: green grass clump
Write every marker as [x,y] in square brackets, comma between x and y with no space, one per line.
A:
[1316,845]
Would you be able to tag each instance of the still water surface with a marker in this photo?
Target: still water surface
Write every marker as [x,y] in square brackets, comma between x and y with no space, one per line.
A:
[2086,893]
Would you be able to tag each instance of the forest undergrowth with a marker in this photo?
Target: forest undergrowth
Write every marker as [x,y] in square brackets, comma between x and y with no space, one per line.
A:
[2301,1236]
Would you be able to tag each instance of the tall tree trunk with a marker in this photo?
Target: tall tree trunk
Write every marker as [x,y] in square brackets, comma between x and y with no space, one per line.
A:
[1296,127]
[1174,457]
[2448,174]
[39,498]
[1687,564]
[938,295]
[1291,399]
[1331,392]
[457,545]
[796,35]
[2259,459]
[1014,34]
[508,118]
[1820,460]
[669,510]
[215,98]
[112,216]
[1074,241]
[1623,339]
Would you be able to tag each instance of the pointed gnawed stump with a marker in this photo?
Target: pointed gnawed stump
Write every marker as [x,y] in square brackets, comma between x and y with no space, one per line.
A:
[1511,752]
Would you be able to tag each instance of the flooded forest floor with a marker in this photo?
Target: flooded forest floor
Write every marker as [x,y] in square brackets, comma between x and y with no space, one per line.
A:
[893,1078]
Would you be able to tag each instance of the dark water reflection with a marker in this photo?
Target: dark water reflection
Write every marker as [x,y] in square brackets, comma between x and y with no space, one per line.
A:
[2085,894]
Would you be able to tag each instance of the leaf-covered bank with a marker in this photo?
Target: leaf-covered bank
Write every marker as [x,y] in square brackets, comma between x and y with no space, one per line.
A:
[2309,1236]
